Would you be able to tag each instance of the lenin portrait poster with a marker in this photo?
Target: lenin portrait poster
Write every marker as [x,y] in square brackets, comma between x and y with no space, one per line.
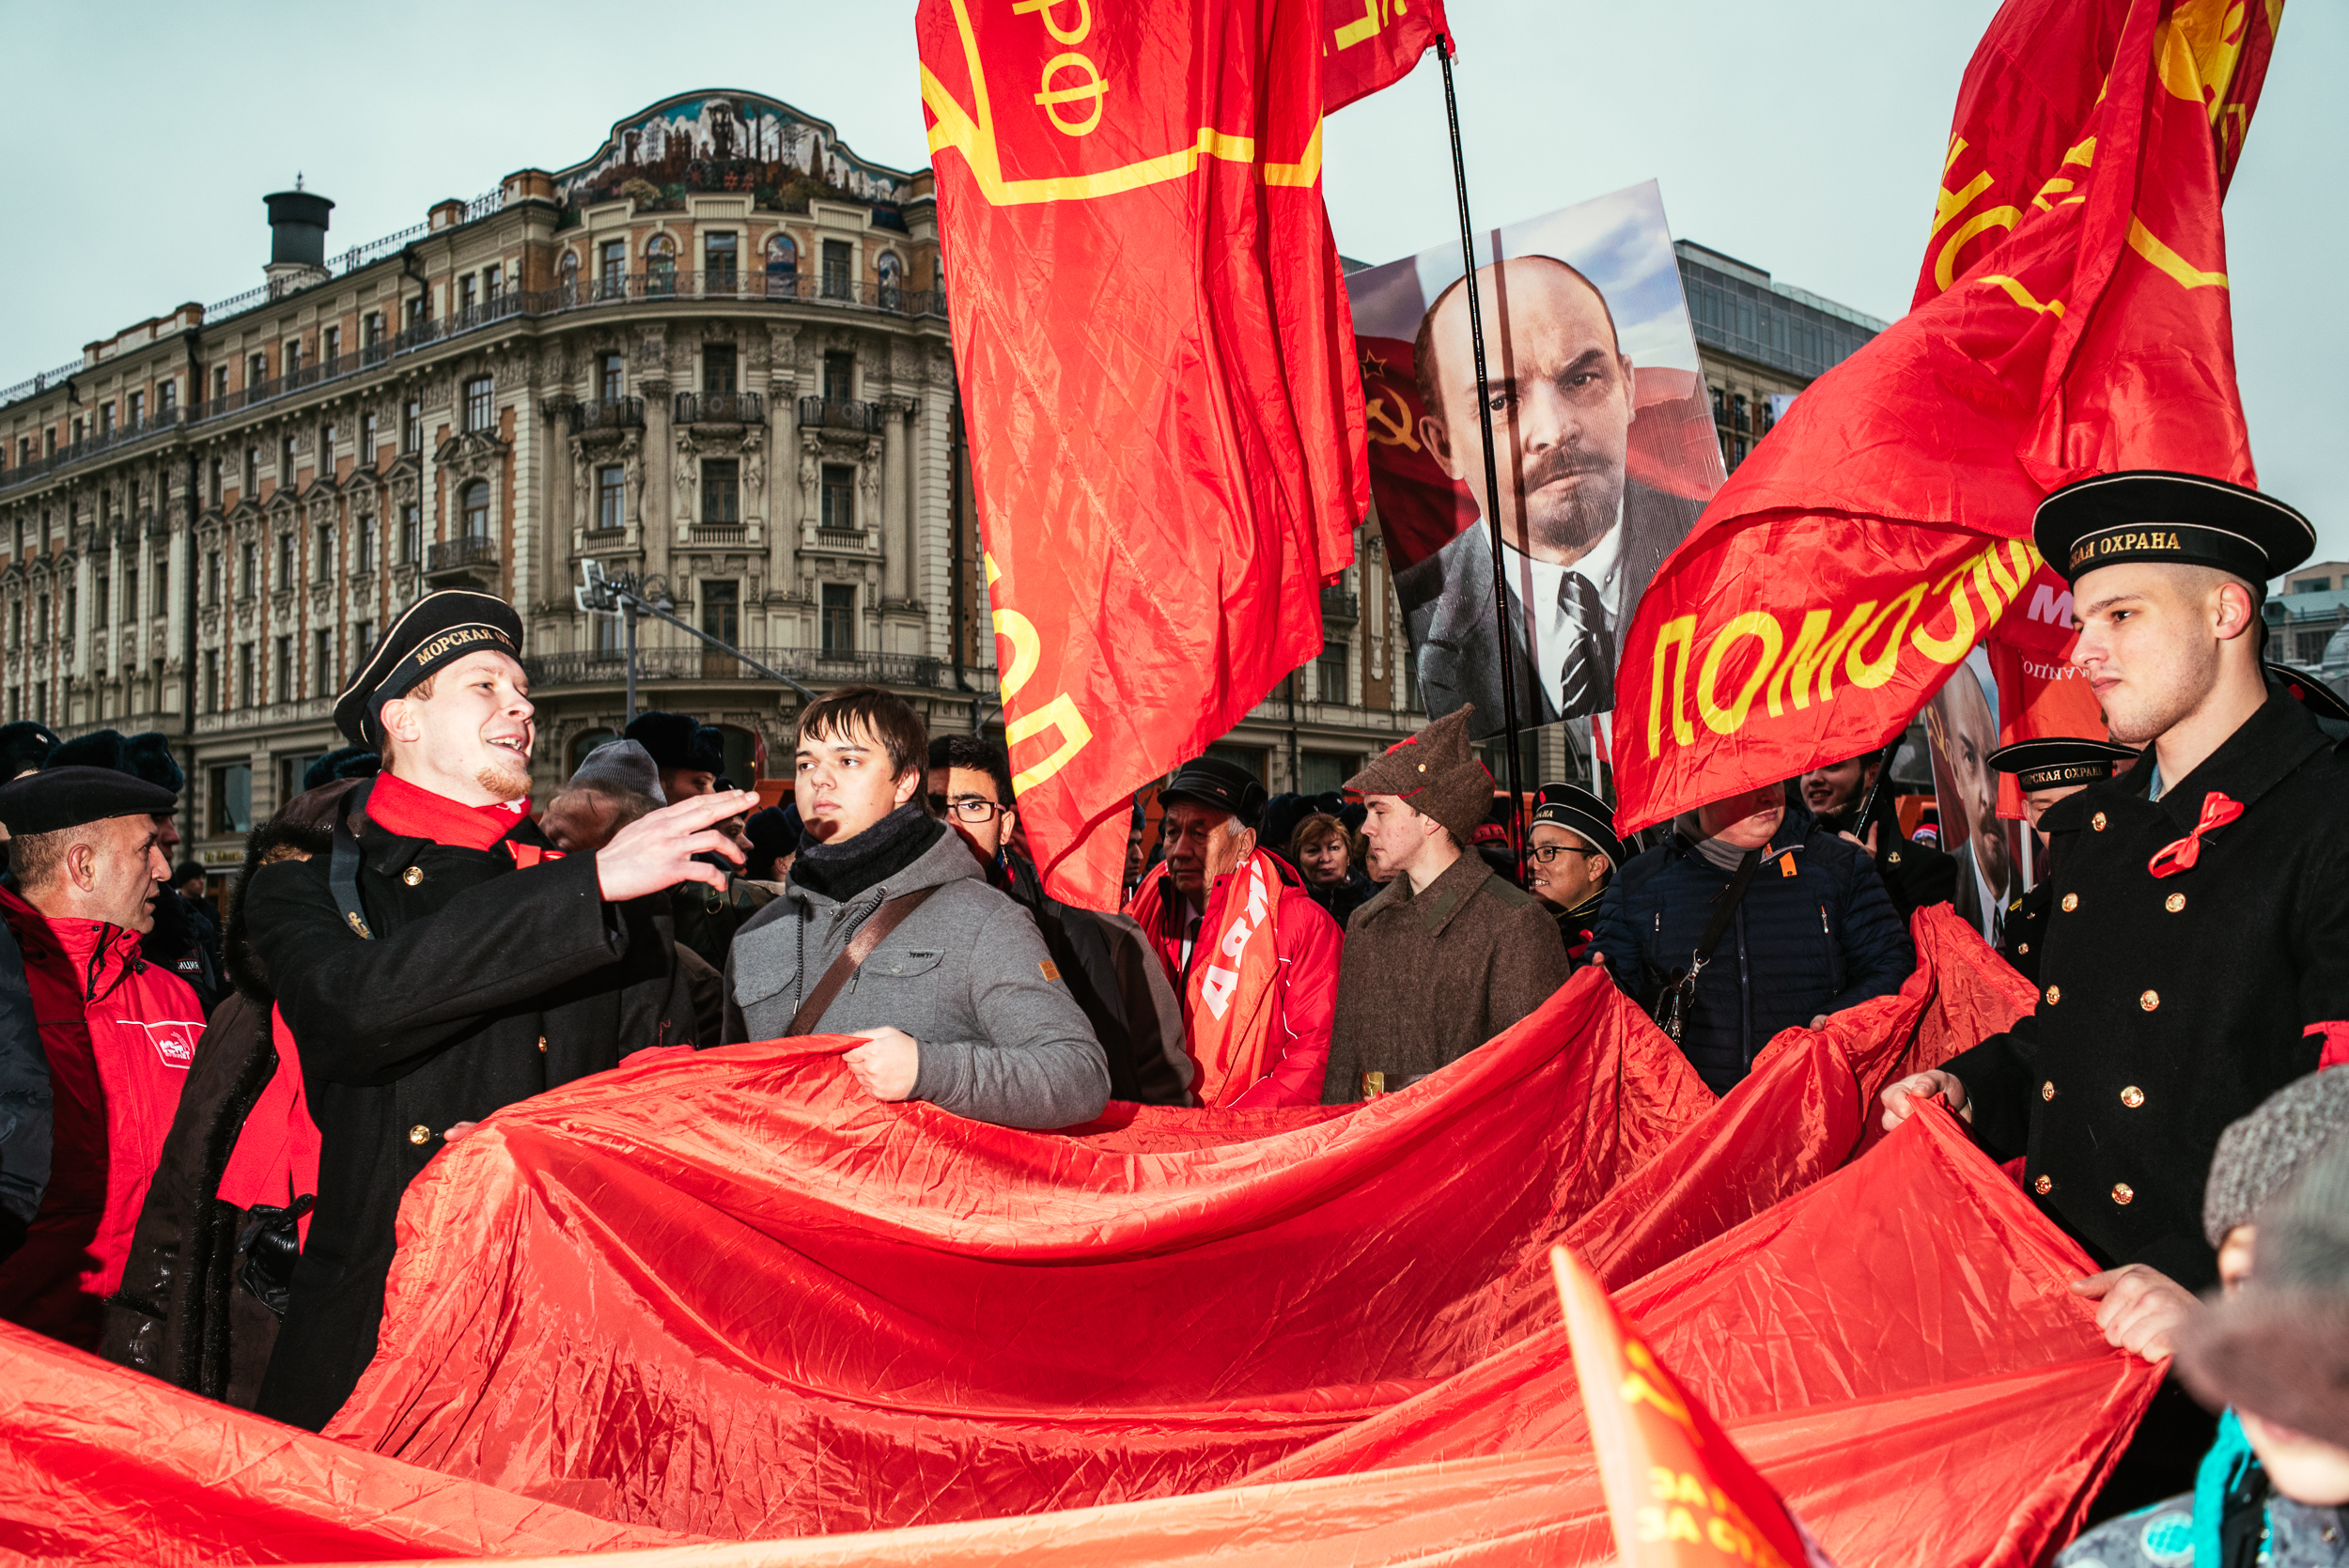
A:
[1603,439]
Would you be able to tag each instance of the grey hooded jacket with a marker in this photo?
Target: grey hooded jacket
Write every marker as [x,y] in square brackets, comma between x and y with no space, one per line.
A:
[966,974]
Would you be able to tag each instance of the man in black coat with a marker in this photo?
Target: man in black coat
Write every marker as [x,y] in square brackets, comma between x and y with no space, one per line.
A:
[2047,770]
[445,961]
[2197,957]
[1914,874]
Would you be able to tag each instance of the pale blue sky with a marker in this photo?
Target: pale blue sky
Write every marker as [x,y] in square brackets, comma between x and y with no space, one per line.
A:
[1805,138]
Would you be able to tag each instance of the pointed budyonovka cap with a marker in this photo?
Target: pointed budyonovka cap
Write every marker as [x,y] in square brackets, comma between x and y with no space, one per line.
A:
[2181,519]
[2055,760]
[1579,811]
[437,628]
[1435,774]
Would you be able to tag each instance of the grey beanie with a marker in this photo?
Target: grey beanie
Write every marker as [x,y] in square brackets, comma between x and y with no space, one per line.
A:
[620,765]
[2259,1153]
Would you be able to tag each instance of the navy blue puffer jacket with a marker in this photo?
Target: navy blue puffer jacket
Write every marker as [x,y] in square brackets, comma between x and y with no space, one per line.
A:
[1815,933]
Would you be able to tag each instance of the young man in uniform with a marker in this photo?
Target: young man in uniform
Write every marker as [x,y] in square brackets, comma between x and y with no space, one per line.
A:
[1914,874]
[445,959]
[2198,956]
[1448,954]
[1575,854]
[2049,768]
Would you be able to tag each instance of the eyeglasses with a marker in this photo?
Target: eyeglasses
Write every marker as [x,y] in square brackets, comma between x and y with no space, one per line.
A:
[970,808]
[1544,853]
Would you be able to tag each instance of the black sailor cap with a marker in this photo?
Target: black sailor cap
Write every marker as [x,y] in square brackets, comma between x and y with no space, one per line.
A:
[436,630]
[2184,519]
[1579,811]
[2055,760]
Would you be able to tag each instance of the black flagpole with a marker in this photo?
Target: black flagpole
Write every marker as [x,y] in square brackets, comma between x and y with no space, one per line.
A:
[1492,471]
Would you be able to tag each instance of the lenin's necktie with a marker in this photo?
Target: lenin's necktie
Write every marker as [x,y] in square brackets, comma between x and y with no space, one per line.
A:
[1587,680]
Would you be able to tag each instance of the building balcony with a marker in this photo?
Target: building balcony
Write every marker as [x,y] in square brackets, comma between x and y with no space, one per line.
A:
[1339,605]
[829,413]
[815,666]
[608,417]
[721,408]
[474,558]
[725,531]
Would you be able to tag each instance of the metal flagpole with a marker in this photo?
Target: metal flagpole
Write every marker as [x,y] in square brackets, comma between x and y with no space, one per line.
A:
[1492,469]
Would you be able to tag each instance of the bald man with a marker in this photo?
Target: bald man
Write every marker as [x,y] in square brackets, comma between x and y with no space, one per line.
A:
[1964,729]
[1580,538]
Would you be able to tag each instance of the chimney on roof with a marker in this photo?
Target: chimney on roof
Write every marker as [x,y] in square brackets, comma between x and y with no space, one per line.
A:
[297,239]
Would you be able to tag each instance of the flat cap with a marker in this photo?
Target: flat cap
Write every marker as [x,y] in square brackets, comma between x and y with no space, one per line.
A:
[2186,520]
[1435,774]
[57,798]
[1579,811]
[2054,760]
[437,630]
[1221,785]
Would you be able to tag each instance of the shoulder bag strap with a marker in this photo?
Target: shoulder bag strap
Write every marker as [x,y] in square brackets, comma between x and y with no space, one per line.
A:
[343,870]
[868,936]
[1731,897]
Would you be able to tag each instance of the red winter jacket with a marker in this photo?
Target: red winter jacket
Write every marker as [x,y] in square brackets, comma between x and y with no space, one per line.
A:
[1307,943]
[118,1032]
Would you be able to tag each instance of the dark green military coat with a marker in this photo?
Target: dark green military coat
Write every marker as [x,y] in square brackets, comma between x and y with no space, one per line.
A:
[2169,1006]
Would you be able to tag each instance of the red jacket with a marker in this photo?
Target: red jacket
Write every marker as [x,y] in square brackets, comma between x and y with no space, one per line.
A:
[118,1032]
[1307,942]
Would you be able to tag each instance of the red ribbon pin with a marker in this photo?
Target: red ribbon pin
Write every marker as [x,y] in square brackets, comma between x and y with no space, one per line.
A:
[2171,859]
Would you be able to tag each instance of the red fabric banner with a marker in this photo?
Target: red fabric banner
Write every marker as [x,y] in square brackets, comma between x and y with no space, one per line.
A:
[2072,320]
[1369,45]
[1156,355]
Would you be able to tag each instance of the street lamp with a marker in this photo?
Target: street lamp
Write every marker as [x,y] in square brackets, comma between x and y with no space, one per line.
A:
[628,595]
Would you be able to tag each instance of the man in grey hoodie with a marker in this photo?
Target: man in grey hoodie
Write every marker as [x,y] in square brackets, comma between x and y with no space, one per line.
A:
[960,1004]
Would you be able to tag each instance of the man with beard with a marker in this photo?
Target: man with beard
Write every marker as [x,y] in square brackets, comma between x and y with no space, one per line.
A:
[2198,956]
[1963,731]
[1913,874]
[443,959]
[1579,539]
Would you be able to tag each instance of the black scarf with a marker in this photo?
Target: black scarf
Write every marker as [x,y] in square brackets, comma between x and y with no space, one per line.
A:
[844,867]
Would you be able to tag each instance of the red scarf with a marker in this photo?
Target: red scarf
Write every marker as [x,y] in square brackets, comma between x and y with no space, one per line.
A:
[399,807]
[1231,999]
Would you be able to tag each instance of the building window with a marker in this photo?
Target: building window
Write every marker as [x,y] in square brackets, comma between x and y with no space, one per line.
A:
[2309,647]
[362,642]
[163,585]
[291,357]
[1321,772]
[661,265]
[612,497]
[131,591]
[218,468]
[839,618]
[371,330]
[721,490]
[285,560]
[835,269]
[284,673]
[839,377]
[252,473]
[211,680]
[839,498]
[1330,674]
[479,392]
[411,534]
[366,438]
[105,593]
[220,384]
[331,346]
[16,623]
[717,367]
[246,688]
[612,268]
[137,406]
[232,801]
[106,418]
[468,290]
[285,463]
[323,566]
[411,425]
[722,612]
[367,544]
[252,584]
[474,502]
[73,611]
[891,274]
[321,663]
[612,379]
[255,371]
[782,265]
[721,260]
[211,580]
[493,282]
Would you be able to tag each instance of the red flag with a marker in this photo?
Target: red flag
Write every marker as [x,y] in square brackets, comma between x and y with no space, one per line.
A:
[2074,320]
[1680,1494]
[1156,352]
[1369,45]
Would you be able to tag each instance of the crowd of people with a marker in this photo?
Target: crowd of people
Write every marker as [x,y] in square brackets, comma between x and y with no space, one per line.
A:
[205,1125]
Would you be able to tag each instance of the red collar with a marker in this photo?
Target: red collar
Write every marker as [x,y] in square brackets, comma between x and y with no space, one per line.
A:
[399,807]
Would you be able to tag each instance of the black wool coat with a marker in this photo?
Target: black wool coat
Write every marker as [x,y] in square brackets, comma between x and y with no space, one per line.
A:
[2170,1006]
[483,984]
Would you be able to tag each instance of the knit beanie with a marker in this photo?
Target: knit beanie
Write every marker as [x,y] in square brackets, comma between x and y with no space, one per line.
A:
[2259,1153]
[620,765]
[1435,774]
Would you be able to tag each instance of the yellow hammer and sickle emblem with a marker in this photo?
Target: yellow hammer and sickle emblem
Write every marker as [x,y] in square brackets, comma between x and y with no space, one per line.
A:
[1390,422]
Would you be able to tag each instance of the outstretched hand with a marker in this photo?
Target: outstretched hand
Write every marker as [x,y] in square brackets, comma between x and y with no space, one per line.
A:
[1901,1100]
[656,851]
[2140,1309]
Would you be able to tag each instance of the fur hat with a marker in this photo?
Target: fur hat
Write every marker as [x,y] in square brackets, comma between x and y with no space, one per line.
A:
[669,736]
[2280,1346]
[622,765]
[143,757]
[23,746]
[1435,774]
[2260,1152]
[343,762]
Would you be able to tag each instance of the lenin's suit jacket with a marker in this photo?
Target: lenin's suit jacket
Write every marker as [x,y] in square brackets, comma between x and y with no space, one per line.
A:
[1448,607]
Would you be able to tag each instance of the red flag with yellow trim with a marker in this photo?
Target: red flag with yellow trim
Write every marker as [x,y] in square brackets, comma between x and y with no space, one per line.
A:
[2072,319]
[1157,361]
[1369,45]
[1678,1492]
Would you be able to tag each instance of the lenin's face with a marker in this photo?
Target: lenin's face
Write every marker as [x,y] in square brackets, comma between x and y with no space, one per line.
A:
[1561,403]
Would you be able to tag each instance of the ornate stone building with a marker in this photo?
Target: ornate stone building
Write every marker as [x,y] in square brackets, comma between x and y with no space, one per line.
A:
[714,354]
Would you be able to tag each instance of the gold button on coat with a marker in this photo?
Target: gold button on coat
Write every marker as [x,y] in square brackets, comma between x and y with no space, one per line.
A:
[2097,822]
[2046,1090]
[2022,947]
[542,1044]
[2132,1097]
[419,1134]
[2123,1194]
[2150,1000]
[2175,901]
[2044,1185]
[2071,902]
[413,874]
[2055,994]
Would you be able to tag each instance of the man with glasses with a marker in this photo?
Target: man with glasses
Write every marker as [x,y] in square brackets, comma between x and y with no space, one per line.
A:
[1573,856]
[1103,958]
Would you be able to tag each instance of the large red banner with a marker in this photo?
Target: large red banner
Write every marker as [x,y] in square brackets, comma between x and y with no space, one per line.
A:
[1369,45]
[2072,319]
[1156,361]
